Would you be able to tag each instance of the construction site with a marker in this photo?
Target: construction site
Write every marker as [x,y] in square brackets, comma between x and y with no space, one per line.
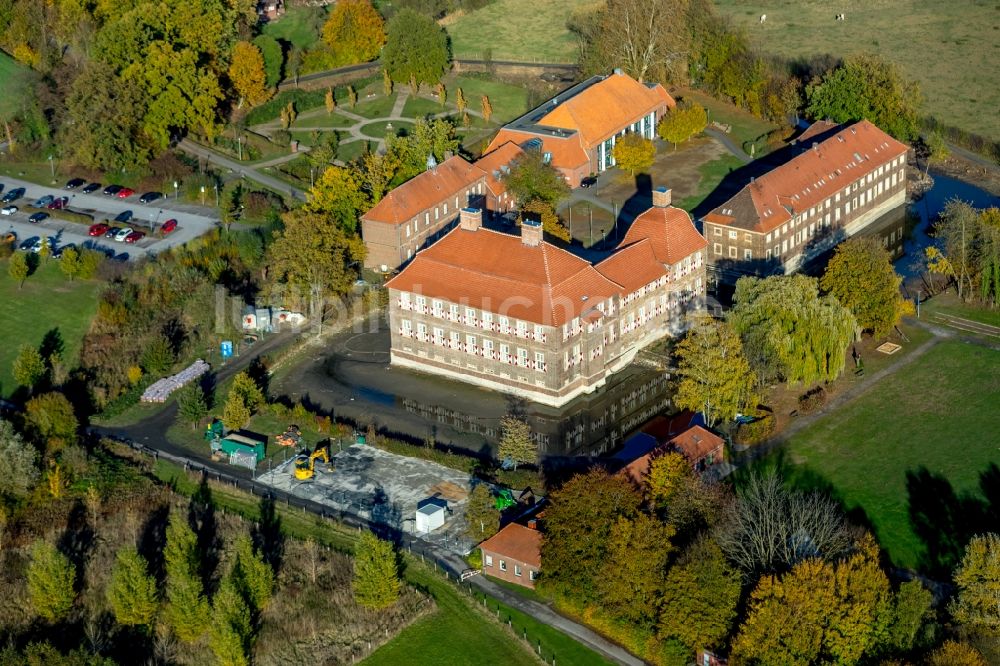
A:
[407,494]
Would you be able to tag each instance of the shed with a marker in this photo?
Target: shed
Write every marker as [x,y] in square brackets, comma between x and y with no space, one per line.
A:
[238,444]
[430,515]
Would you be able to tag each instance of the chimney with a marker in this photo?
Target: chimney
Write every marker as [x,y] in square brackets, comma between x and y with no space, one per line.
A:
[532,524]
[661,197]
[531,232]
[470,219]
[618,71]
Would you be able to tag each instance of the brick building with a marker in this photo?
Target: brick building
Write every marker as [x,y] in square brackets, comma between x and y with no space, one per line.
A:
[522,316]
[420,211]
[577,129]
[496,165]
[840,180]
[513,554]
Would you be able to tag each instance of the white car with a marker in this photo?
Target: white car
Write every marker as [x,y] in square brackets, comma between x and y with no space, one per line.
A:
[123,234]
[8,210]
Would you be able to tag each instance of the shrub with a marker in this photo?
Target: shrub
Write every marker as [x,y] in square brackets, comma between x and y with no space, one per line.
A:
[749,434]
[812,400]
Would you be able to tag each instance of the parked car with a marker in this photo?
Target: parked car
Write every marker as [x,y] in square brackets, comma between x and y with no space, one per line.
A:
[36,246]
[8,210]
[43,201]
[75,183]
[122,234]
[90,189]
[57,252]
[112,190]
[1,187]
[149,197]
[13,195]
[125,193]
[135,237]
[59,204]
[123,216]
[38,217]
[28,243]
[98,229]
[168,226]
[589,181]
[112,232]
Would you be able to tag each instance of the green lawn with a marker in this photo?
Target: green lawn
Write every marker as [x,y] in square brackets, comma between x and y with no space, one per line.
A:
[420,107]
[299,26]
[48,302]
[13,78]
[379,130]
[948,303]
[324,120]
[745,126]
[954,54]
[517,30]
[351,150]
[508,101]
[913,443]
[379,107]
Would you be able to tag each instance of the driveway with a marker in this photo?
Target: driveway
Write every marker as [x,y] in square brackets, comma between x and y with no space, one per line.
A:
[190,224]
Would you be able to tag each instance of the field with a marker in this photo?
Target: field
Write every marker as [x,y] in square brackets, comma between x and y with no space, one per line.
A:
[911,457]
[48,302]
[517,30]
[299,26]
[12,76]
[952,49]
[508,101]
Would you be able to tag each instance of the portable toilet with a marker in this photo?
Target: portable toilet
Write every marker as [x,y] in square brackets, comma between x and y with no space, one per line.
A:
[430,515]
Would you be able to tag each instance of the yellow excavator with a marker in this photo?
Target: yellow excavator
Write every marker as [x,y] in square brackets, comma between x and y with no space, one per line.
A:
[305,465]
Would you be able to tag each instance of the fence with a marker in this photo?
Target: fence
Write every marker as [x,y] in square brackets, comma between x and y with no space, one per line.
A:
[451,568]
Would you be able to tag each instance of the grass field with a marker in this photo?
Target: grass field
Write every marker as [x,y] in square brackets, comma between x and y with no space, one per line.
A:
[47,302]
[914,445]
[517,30]
[419,107]
[12,81]
[379,130]
[952,49]
[508,101]
[299,26]
[380,107]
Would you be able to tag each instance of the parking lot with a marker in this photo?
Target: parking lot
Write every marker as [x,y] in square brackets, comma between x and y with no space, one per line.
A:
[191,221]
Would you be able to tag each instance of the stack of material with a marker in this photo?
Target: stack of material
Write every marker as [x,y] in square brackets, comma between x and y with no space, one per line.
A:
[161,389]
[248,460]
[448,490]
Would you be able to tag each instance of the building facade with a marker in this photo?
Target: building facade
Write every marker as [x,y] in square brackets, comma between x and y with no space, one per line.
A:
[842,179]
[577,129]
[514,554]
[418,212]
[519,315]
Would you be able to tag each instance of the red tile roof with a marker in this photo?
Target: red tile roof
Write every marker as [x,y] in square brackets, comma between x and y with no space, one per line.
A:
[567,152]
[424,191]
[808,178]
[603,109]
[493,162]
[496,272]
[670,231]
[633,266]
[695,443]
[518,543]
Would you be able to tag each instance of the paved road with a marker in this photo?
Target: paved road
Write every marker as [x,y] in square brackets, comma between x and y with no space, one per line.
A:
[729,144]
[236,167]
[192,221]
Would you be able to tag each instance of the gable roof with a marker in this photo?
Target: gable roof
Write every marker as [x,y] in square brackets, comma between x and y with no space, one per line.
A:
[633,266]
[607,106]
[493,163]
[518,543]
[496,272]
[670,232]
[424,191]
[567,151]
[810,177]
[696,442]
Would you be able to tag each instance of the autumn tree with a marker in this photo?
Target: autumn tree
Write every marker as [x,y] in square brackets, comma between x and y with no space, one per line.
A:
[352,96]
[428,137]
[417,49]
[69,262]
[442,94]
[860,275]
[968,250]
[666,478]
[246,71]
[633,152]
[18,268]
[330,101]
[630,583]
[682,122]
[230,631]
[244,398]
[714,376]
[375,171]
[252,577]
[187,611]
[789,331]
[953,653]
[376,573]
[578,524]
[487,108]
[29,367]
[867,87]
[51,580]
[50,418]
[532,177]
[18,462]
[338,195]
[912,625]
[978,579]
[516,442]
[482,519]
[698,603]
[354,32]
[132,590]
[460,102]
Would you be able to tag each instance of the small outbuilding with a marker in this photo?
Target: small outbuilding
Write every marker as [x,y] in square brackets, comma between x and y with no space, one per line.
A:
[430,515]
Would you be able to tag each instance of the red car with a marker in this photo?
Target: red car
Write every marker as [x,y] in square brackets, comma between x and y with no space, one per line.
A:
[135,237]
[98,229]
[125,193]
[168,226]
[58,204]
